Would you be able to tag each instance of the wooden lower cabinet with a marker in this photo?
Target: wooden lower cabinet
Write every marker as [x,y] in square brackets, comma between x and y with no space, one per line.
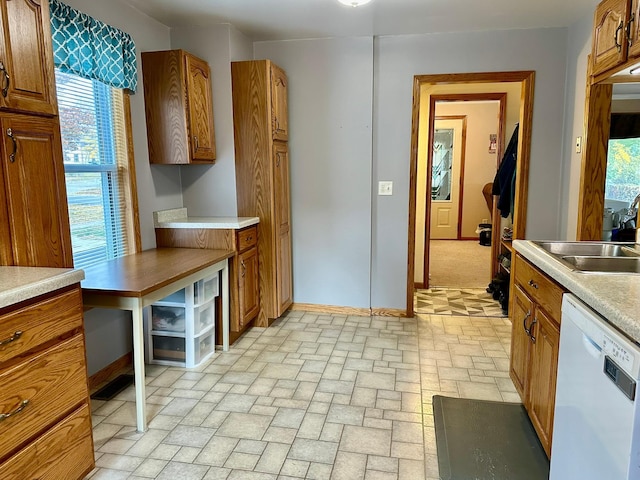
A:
[536,302]
[244,290]
[43,390]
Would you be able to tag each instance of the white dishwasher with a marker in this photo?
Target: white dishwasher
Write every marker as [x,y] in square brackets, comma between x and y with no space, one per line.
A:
[596,428]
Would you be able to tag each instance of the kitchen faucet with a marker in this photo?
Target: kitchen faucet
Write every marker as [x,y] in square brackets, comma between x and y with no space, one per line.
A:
[634,204]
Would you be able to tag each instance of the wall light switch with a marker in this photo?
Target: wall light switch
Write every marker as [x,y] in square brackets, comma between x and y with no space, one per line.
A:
[578,144]
[385,188]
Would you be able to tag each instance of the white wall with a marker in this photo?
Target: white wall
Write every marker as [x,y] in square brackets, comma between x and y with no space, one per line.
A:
[108,332]
[397,60]
[210,190]
[578,47]
[330,113]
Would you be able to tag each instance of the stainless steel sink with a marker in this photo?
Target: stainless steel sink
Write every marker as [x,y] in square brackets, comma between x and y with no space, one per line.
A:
[589,264]
[591,249]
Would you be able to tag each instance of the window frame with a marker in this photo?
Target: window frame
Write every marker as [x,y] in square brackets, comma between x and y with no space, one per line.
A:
[127,176]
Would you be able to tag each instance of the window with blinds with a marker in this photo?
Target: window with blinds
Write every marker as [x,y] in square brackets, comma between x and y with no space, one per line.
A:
[94,146]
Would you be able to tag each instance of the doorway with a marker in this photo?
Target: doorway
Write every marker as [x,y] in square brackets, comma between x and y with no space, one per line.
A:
[475,160]
[426,90]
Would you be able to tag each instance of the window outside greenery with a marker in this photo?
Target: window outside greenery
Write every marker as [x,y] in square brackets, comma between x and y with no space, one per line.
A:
[623,169]
[90,116]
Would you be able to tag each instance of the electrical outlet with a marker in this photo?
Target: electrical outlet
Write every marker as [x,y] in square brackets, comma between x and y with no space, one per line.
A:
[385,188]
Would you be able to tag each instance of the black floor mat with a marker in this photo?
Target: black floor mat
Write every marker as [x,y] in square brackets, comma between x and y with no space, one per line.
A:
[478,439]
[113,388]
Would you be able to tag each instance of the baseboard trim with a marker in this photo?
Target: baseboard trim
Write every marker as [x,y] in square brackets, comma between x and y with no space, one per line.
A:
[337,310]
[389,312]
[334,309]
[101,377]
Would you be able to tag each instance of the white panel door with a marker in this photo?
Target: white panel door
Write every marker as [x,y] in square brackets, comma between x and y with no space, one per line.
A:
[445,179]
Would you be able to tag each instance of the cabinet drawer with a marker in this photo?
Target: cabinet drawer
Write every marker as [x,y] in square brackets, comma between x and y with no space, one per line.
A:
[53,382]
[65,451]
[247,238]
[540,288]
[33,325]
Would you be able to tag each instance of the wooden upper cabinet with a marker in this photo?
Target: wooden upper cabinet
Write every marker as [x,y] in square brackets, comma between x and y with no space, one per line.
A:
[200,104]
[35,192]
[27,81]
[634,30]
[279,109]
[178,107]
[609,48]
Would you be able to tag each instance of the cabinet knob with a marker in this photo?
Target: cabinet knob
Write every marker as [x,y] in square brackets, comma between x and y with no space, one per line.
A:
[195,141]
[533,284]
[631,20]
[5,89]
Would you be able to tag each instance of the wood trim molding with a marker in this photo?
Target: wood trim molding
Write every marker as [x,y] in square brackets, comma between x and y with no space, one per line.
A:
[330,309]
[526,78]
[337,310]
[102,377]
[132,190]
[388,312]
[597,122]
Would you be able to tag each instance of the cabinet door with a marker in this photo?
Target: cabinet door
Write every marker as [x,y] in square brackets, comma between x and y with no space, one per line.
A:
[634,30]
[36,192]
[26,56]
[609,43]
[279,113]
[522,317]
[543,370]
[248,293]
[283,227]
[200,106]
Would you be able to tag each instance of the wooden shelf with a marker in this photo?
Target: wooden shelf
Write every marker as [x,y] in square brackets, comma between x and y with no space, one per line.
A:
[506,244]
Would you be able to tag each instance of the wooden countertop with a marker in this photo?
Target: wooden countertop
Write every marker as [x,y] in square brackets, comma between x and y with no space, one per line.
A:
[138,274]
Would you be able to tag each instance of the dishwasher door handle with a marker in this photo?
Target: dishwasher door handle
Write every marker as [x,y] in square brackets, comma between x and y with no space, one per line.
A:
[591,347]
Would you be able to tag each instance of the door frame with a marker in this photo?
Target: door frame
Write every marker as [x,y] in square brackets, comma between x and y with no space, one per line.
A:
[526,80]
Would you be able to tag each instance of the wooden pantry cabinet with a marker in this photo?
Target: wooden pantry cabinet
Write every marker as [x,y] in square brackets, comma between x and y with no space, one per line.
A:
[34,223]
[261,131]
[27,81]
[44,397]
[535,311]
[243,267]
[616,35]
[178,107]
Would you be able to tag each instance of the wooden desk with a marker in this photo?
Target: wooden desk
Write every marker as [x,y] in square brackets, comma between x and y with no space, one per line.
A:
[140,279]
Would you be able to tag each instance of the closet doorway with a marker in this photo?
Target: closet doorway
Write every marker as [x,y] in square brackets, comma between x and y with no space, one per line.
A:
[427,90]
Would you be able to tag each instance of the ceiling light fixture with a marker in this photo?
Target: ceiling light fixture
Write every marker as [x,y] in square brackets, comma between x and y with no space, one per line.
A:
[353,3]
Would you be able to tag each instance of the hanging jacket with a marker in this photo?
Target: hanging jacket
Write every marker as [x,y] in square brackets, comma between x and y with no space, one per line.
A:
[504,179]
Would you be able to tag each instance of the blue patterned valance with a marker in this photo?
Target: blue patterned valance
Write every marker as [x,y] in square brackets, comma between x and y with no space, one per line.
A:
[92,49]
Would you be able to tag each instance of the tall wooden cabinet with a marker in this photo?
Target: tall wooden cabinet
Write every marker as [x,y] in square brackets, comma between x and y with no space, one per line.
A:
[535,311]
[179,108]
[261,132]
[34,223]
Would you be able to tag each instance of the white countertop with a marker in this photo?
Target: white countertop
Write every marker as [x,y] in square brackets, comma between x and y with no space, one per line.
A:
[178,218]
[614,296]
[22,283]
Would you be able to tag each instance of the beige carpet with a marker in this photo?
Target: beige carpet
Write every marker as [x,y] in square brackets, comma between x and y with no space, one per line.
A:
[459,263]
